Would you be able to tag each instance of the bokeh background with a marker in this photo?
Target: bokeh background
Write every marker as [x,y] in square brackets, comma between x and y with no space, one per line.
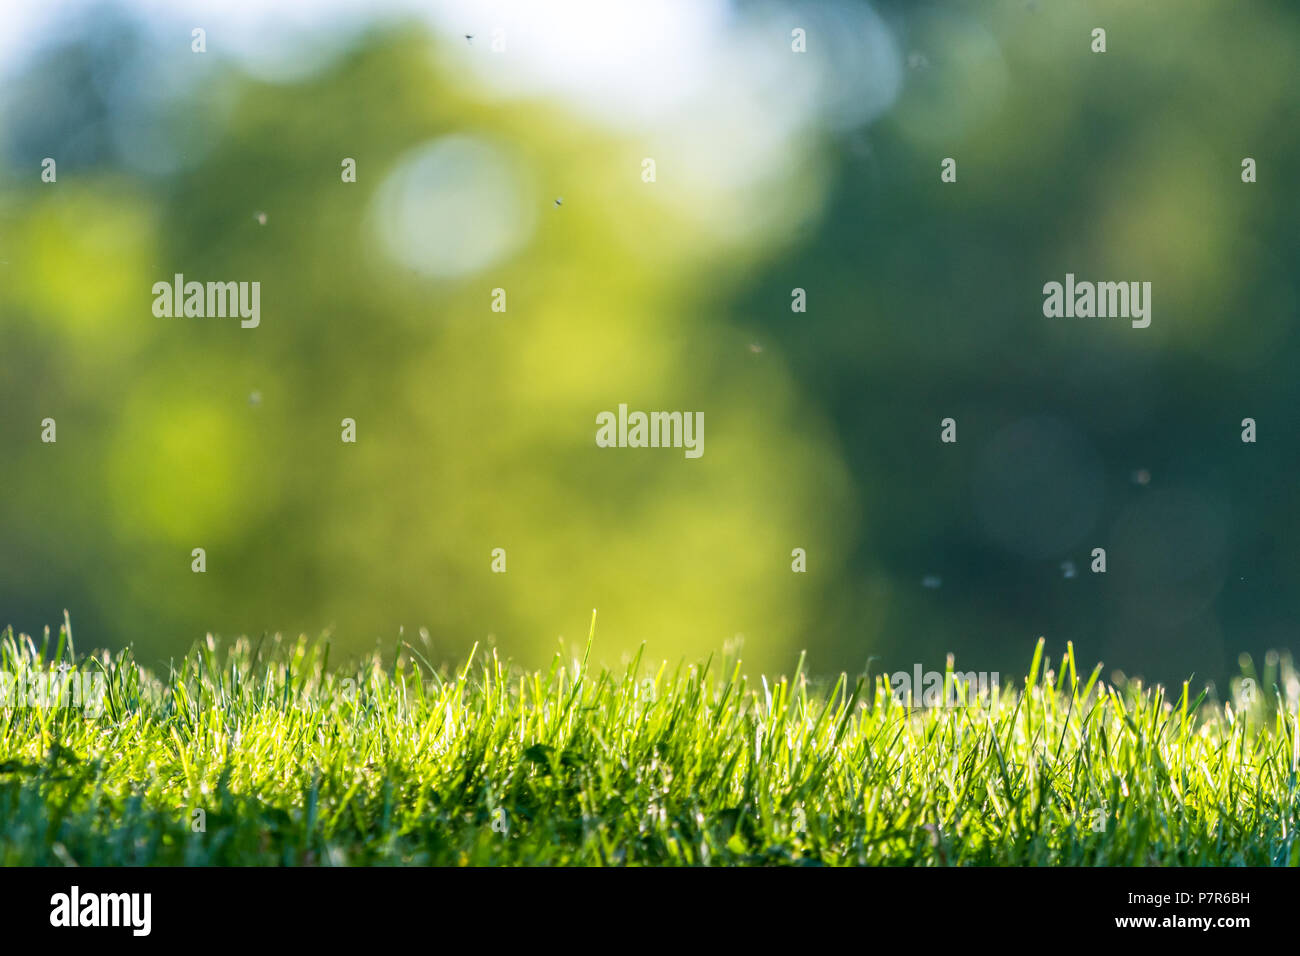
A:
[775,171]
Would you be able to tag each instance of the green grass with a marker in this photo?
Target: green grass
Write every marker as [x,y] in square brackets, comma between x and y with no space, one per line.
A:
[295,762]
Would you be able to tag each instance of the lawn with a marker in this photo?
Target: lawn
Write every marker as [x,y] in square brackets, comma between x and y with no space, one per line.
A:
[268,752]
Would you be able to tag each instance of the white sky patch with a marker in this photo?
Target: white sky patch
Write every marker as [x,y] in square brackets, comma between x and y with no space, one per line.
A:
[624,62]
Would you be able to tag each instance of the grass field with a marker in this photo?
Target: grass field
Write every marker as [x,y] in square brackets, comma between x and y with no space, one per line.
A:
[264,753]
